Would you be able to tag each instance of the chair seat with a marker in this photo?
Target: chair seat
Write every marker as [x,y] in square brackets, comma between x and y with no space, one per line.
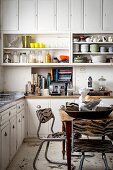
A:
[93,145]
[59,135]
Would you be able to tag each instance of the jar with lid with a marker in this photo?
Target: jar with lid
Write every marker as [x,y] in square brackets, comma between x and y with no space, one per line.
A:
[39,57]
[23,58]
[15,57]
[47,58]
[32,57]
[7,57]
[102,83]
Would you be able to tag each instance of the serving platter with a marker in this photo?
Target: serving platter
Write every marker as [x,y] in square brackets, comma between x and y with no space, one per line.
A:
[99,113]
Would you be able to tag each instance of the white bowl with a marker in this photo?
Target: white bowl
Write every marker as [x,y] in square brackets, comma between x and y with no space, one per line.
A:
[98,58]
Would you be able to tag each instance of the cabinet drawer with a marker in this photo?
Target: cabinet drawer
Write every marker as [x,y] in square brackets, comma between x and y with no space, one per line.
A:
[4,116]
[12,111]
[20,106]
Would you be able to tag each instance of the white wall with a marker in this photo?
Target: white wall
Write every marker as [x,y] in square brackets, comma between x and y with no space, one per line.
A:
[15,78]
[81,75]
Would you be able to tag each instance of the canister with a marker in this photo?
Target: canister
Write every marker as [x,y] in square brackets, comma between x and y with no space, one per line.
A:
[75,47]
[94,48]
[26,41]
[84,47]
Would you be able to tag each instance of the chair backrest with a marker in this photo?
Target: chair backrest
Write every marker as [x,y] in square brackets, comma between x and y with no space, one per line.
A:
[44,115]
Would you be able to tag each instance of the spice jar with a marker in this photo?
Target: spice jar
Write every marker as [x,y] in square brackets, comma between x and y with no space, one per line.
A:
[47,58]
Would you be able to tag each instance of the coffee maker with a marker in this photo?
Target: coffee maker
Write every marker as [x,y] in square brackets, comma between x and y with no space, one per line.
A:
[58,88]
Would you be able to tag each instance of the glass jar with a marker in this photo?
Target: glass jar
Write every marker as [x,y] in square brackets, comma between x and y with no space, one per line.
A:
[7,57]
[32,57]
[15,57]
[102,83]
[23,58]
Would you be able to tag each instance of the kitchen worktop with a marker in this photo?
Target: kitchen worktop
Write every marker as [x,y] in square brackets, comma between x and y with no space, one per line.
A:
[8,99]
[30,96]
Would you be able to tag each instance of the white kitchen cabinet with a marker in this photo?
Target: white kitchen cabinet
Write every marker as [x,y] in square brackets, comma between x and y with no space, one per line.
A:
[55,106]
[23,124]
[19,130]
[9,15]
[107,15]
[76,15]
[46,15]
[33,119]
[13,131]
[92,15]
[27,15]
[62,15]
[5,146]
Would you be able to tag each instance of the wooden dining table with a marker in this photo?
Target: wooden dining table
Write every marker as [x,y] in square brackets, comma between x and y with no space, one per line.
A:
[67,127]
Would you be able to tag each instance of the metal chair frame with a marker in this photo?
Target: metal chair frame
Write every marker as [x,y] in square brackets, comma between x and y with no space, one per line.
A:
[53,137]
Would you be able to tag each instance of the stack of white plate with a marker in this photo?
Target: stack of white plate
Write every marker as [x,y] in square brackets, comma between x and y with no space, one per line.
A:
[98,58]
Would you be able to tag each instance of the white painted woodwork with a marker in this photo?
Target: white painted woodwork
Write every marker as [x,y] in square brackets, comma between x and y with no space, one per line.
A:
[19,130]
[92,15]
[33,121]
[76,15]
[13,140]
[27,15]
[9,15]
[46,15]
[23,124]
[5,147]
[62,15]
[107,15]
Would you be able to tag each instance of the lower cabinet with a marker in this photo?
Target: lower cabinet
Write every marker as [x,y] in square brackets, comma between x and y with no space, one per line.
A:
[33,119]
[13,131]
[19,130]
[5,153]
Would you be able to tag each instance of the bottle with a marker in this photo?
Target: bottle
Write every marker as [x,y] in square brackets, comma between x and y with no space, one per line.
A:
[90,82]
[15,57]
[23,58]
[47,58]
[48,80]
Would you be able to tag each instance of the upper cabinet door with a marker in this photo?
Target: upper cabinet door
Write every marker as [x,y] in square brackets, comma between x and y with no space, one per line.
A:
[27,15]
[62,15]
[107,15]
[92,15]
[9,15]
[76,16]
[46,15]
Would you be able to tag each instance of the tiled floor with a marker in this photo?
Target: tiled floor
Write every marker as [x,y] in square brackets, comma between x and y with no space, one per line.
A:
[23,160]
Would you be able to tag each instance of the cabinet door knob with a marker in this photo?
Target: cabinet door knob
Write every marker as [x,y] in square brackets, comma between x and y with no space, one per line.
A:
[23,117]
[9,113]
[38,106]
[13,126]
[19,120]
[5,134]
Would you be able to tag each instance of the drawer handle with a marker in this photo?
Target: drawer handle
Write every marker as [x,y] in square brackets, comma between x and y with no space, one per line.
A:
[13,126]
[19,120]
[5,134]
[9,113]
[23,117]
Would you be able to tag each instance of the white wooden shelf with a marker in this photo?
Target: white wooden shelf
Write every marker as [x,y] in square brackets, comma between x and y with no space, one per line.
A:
[84,42]
[59,48]
[94,53]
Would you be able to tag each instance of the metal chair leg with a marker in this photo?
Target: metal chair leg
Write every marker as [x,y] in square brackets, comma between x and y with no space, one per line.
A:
[82,161]
[50,161]
[105,161]
[37,154]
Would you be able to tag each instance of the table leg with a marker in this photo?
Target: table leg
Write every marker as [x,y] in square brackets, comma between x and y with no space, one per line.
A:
[63,143]
[68,143]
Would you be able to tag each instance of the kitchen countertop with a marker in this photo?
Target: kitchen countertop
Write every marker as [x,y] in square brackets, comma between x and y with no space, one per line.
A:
[11,100]
[30,96]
